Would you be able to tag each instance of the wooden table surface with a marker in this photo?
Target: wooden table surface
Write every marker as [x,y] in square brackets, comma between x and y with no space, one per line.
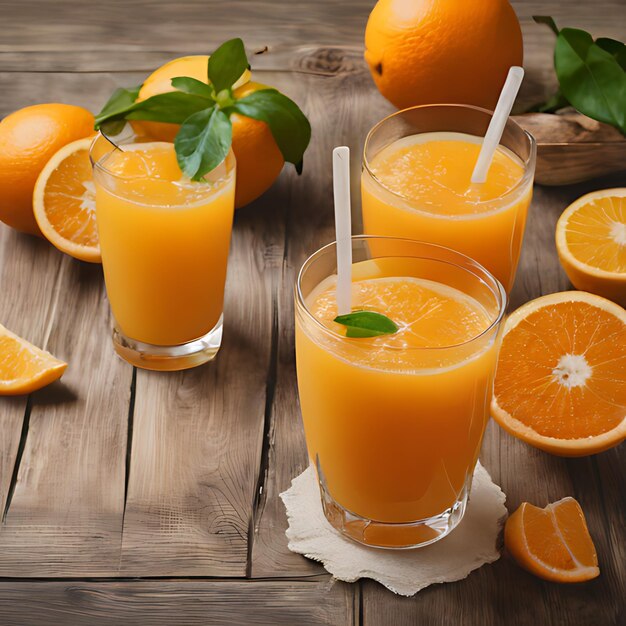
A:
[132,497]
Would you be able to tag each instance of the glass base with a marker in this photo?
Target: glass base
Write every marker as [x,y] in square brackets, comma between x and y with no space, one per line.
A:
[169,358]
[393,535]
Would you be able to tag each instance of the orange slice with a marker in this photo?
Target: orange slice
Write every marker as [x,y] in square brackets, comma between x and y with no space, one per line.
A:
[552,543]
[591,242]
[561,378]
[64,202]
[24,367]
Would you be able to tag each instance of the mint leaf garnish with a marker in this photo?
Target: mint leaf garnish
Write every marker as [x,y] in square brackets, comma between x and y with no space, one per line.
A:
[366,324]
[290,127]
[203,142]
[192,86]
[227,64]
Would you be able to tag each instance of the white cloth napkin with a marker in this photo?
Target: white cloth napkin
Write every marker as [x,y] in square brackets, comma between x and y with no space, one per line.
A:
[405,572]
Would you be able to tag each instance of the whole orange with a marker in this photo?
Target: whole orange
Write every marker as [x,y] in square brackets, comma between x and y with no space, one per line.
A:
[28,138]
[442,51]
[259,160]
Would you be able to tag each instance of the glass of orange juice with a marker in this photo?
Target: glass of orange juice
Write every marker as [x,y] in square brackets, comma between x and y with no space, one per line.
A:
[394,423]
[417,166]
[164,241]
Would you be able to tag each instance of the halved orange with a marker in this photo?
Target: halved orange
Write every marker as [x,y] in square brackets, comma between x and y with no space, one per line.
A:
[24,367]
[64,202]
[561,378]
[552,543]
[591,242]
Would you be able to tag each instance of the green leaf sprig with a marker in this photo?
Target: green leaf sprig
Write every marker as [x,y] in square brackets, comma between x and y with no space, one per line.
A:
[591,75]
[366,324]
[203,111]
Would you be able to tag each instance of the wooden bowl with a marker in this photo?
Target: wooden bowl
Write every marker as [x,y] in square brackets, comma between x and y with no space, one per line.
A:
[572,147]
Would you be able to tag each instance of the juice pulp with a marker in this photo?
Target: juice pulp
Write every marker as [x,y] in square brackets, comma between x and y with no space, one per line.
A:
[395,426]
[422,190]
[164,242]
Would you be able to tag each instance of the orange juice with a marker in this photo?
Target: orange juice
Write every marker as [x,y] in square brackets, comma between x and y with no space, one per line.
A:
[164,242]
[419,187]
[394,423]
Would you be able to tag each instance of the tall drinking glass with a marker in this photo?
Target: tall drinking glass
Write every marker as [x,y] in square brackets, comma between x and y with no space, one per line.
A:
[164,242]
[394,423]
[417,166]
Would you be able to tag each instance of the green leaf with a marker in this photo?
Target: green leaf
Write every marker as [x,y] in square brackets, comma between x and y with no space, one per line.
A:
[590,78]
[192,86]
[173,107]
[366,324]
[121,99]
[227,64]
[203,142]
[290,127]
[548,21]
[615,48]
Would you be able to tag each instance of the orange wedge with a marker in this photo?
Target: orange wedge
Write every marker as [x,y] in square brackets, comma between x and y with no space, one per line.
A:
[24,367]
[591,242]
[64,202]
[561,378]
[552,543]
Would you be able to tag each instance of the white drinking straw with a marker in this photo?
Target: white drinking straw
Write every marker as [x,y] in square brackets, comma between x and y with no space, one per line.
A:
[343,228]
[497,123]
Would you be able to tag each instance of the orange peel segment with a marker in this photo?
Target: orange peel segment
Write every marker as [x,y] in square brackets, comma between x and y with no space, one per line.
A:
[561,379]
[553,543]
[64,202]
[24,368]
[591,243]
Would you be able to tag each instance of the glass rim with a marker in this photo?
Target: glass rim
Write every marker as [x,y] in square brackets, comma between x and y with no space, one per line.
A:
[97,165]
[498,290]
[528,163]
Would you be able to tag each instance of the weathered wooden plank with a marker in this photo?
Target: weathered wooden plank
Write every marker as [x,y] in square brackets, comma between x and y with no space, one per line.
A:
[88,90]
[99,39]
[184,603]
[75,37]
[12,412]
[109,33]
[496,594]
[26,301]
[197,435]
[186,27]
[66,512]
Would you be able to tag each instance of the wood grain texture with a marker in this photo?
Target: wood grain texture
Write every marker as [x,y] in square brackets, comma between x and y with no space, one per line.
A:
[26,305]
[197,436]
[65,516]
[179,603]
[213,448]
